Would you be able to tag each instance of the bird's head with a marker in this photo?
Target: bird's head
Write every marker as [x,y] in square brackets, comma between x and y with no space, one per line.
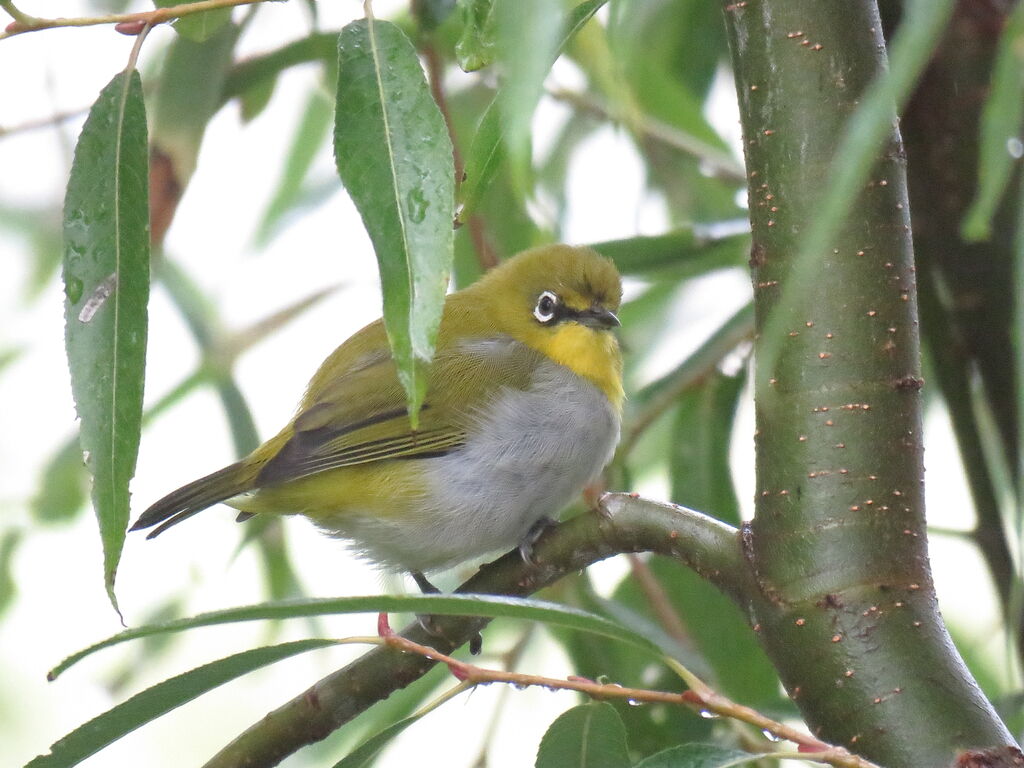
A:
[561,300]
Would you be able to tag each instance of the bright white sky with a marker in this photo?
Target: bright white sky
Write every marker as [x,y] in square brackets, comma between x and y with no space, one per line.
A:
[61,605]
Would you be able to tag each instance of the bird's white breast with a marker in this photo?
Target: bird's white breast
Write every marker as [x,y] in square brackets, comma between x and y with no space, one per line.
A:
[531,452]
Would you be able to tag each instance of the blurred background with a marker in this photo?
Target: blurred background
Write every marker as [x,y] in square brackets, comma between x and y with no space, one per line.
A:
[258,234]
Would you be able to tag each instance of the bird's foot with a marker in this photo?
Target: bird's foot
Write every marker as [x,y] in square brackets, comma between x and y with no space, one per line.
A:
[428,622]
[532,536]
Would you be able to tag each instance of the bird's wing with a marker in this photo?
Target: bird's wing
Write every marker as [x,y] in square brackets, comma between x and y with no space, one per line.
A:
[359,415]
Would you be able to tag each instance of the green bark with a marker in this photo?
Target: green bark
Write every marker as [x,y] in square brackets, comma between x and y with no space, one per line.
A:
[846,608]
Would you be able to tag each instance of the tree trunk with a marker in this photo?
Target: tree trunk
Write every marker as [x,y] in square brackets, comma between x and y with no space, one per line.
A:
[847,608]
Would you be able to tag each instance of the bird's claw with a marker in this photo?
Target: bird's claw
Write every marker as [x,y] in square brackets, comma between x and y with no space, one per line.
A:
[533,535]
[476,642]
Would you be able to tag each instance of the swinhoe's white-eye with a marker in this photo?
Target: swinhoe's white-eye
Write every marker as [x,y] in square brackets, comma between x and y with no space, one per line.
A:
[522,411]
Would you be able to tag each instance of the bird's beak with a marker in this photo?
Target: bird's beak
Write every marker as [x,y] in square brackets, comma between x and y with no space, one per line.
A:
[599,318]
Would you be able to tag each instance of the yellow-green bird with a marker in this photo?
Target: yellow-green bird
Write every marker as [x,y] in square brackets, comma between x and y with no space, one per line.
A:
[522,411]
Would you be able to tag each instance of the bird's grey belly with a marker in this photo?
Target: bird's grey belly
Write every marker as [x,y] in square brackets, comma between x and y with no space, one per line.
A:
[532,452]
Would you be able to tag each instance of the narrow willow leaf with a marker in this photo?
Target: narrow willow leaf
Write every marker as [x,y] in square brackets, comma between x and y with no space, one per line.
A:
[475,47]
[9,542]
[106,285]
[312,131]
[445,605]
[699,456]
[63,487]
[394,157]
[365,754]
[160,699]
[399,705]
[430,14]
[1001,123]
[187,95]
[698,756]
[198,27]
[486,151]
[253,100]
[675,250]
[527,44]
[588,736]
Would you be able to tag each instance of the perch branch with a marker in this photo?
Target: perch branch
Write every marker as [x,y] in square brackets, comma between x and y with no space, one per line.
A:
[23,23]
[625,524]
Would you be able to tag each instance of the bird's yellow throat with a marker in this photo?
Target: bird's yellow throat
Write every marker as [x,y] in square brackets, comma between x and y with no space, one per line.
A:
[592,354]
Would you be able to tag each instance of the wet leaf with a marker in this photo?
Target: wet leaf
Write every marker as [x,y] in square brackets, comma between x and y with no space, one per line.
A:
[394,157]
[160,699]
[475,47]
[698,756]
[106,284]
[588,736]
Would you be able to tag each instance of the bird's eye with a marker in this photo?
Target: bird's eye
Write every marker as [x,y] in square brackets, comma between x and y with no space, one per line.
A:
[546,308]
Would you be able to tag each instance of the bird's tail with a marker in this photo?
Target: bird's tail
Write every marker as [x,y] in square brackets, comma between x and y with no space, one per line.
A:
[193,498]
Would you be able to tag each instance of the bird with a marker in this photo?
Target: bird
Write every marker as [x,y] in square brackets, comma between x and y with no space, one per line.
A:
[522,411]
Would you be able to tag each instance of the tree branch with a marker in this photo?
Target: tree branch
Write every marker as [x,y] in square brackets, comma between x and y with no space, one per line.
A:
[24,23]
[699,697]
[627,524]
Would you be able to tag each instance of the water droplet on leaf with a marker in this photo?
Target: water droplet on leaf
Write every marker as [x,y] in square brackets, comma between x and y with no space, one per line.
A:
[416,205]
[73,289]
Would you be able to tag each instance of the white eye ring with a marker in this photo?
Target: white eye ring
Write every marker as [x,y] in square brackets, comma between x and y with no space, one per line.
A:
[547,307]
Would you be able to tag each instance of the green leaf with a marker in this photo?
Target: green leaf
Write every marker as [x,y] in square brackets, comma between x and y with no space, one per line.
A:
[527,44]
[475,47]
[198,27]
[588,736]
[9,355]
[312,130]
[699,460]
[430,14]
[366,753]
[253,100]
[698,756]
[651,726]
[63,486]
[39,227]
[394,157]
[1001,122]
[9,542]
[445,605]
[160,699]
[398,706]
[717,630]
[684,252]
[188,93]
[486,152]
[106,284]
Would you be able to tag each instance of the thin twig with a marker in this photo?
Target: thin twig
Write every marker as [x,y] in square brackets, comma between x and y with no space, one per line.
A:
[17,15]
[658,599]
[719,162]
[435,77]
[42,122]
[151,18]
[700,698]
